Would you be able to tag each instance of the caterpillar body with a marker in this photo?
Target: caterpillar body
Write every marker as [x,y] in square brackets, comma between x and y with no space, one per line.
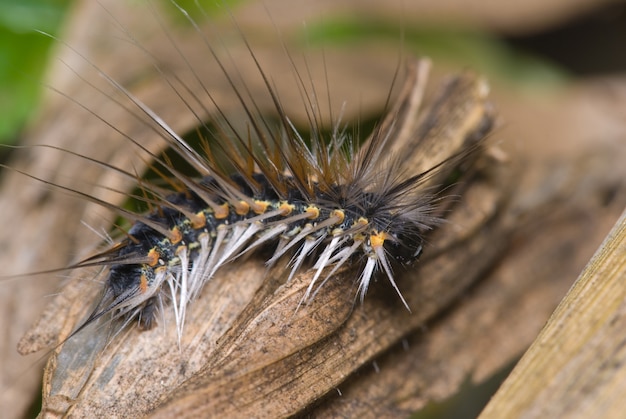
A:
[322,203]
[338,207]
[367,224]
[320,198]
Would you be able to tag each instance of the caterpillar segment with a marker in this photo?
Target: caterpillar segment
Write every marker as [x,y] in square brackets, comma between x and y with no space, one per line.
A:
[330,227]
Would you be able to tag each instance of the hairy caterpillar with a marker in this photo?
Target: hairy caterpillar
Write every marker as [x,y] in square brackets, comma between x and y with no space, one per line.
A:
[328,201]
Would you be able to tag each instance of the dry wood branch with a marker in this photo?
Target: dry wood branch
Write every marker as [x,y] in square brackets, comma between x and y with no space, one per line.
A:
[253,335]
[246,347]
[575,368]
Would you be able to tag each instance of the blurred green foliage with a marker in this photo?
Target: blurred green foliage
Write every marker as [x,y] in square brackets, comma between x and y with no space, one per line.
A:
[23,57]
[464,48]
[24,51]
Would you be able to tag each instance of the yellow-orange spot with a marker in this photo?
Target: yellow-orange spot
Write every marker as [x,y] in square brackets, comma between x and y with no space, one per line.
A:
[260,207]
[313,212]
[339,214]
[221,211]
[153,257]
[286,208]
[198,220]
[337,232]
[362,221]
[242,208]
[378,239]
[176,235]
[143,283]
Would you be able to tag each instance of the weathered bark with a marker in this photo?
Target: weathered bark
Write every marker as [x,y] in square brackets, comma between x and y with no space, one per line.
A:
[489,279]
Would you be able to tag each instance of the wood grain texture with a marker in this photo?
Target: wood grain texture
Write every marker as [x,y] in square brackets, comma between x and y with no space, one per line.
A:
[575,368]
[487,284]
[249,347]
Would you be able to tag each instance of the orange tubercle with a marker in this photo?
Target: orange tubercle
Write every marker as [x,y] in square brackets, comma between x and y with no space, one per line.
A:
[313,212]
[377,239]
[198,221]
[176,235]
[221,211]
[340,214]
[143,283]
[153,257]
[260,207]
[242,208]
[286,208]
